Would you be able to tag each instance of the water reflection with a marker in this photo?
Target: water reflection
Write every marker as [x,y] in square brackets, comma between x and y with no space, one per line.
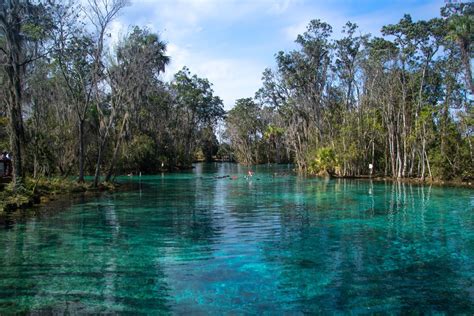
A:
[78,261]
[213,241]
[375,250]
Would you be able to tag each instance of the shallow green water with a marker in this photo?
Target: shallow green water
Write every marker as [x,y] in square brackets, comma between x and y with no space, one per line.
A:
[193,243]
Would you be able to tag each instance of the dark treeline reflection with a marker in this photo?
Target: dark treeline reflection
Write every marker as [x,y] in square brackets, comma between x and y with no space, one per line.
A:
[212,240]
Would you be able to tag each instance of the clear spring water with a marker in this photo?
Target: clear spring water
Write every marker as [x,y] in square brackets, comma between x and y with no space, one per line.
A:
[194,243]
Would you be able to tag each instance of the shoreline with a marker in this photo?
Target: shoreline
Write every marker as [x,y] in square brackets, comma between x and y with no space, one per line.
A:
[55,202]
[46,206]
[416,181]
[41,192]
[53,191]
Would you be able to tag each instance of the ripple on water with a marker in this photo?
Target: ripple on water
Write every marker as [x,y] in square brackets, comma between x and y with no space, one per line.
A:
[200,242]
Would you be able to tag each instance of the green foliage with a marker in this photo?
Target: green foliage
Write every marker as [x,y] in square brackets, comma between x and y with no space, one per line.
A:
[225,152]
[209,144]
[454,163]
[196,95]
[360,100]
[324,161]
[199,112]
[461,23]
[142,46]
[244,130]
[272,132]
[4,141]
[400,101]
[33,189]
[141,153]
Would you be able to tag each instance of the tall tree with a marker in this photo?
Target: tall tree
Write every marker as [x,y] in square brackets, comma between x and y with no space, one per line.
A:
[23,27]
[461,30]
[245,130]
[139,60]
[199,107]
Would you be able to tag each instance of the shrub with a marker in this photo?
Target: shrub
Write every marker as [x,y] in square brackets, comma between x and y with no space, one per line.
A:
[323,161]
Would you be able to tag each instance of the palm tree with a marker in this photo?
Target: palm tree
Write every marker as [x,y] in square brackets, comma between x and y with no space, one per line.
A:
[461,31]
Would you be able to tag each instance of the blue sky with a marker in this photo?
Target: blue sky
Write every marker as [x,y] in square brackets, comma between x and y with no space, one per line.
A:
[231,42]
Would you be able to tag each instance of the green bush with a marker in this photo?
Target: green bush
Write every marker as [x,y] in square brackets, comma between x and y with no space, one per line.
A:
[323,161]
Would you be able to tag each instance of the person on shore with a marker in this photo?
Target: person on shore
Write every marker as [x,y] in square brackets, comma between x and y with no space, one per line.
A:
[2,161]
[7,163]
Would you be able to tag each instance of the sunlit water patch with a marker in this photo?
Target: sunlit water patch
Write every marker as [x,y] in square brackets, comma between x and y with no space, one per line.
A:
[214,241]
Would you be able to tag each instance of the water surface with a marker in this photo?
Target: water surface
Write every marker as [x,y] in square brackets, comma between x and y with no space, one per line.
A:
[200,242]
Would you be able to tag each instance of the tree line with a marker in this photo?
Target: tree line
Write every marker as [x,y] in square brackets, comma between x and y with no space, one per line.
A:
[401,103]
[74,104]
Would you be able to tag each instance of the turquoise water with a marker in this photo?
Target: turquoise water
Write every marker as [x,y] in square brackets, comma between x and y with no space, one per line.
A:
[196,243]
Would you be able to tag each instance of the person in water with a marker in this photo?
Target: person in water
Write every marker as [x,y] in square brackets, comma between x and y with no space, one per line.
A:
[250,173]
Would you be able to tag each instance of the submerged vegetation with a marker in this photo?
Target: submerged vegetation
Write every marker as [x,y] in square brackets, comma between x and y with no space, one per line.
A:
[74,104]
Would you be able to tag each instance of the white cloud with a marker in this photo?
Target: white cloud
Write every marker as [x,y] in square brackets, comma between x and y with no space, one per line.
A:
[182,24]
[179,57]
[336,18]
[280,7]
[292,31]
[228,60]
[232,78]
[191,13]
[117,30]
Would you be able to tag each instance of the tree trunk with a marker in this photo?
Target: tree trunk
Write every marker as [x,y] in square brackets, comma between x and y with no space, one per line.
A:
[116,149]
[97,166]
[466,60]
[422,156]
[16,126]
[81,150]
[16,122]
[13,71]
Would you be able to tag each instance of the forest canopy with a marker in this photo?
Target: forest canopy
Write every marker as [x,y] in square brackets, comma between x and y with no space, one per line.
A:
[401,103]
[76,105]
[73,104]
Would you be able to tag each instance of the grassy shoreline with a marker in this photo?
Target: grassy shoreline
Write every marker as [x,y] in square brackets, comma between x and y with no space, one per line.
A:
[43,190]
